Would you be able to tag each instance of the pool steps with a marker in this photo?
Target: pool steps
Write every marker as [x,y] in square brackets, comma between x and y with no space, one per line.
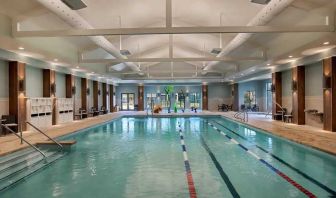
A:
[17,166]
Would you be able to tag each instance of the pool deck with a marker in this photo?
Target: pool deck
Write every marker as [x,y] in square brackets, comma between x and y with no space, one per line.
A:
[307,135]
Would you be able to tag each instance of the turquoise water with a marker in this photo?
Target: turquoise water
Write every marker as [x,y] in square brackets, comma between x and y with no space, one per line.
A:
[142,157]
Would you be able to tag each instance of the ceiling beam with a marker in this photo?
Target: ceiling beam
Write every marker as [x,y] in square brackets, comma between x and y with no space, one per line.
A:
[169,18]
[225,59]
[176,30]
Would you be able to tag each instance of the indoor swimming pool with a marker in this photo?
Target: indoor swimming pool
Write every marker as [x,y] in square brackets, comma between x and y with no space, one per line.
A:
[181,157]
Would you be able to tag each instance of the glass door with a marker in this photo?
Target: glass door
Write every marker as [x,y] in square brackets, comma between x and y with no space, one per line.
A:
[127,101]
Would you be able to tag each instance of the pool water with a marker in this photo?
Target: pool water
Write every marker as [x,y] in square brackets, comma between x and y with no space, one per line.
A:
[143,157]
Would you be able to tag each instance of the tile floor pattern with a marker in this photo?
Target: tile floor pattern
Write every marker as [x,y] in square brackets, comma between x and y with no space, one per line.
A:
[307,135]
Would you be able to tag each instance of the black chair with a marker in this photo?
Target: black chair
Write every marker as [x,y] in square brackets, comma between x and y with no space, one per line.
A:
[103,110]
[243,107]
[94,111]
[10,122]
[255,108]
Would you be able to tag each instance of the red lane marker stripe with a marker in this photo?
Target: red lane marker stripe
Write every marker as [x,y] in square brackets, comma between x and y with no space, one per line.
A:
[298,186]
[191,186]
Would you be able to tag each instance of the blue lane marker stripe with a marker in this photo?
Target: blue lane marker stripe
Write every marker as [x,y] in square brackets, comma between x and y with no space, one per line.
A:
[324,187]
[281,174]
[224,176]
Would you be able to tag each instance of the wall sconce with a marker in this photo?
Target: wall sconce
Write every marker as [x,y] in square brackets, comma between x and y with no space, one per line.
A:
[73,89]
[53,88]
[327,82]
[99,92]
[113,93]
[273,88]
[88,91]
[294,85]
[21,85]
[107,93]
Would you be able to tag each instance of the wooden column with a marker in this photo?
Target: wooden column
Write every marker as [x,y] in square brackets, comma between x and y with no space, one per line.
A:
[70,87]
[49,89]
[329,94]
[84,93]
[140,98]
[276,92]
[17,92]
[49,83]
[104,95]
[95,94]
[111,98]
[298,95]
[235,97]
[204,97]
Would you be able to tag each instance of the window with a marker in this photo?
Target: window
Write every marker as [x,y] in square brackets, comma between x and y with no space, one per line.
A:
[195,99]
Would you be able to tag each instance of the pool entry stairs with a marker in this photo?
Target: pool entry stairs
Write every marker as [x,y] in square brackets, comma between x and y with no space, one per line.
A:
[15,167]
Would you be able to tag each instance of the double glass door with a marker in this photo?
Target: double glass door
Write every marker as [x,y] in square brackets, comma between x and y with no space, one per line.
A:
[127,101]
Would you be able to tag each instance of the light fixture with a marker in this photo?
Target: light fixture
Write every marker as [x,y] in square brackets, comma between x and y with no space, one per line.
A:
[88,91]
[73,89]
[55,59]
[326,43]
[77,67]
[99,92]
[53,88]
[290,56]
[327,82]
[21,48]
[268,64]
[92,72]
[253,70]
[294,85]
[273,88]
[21,85]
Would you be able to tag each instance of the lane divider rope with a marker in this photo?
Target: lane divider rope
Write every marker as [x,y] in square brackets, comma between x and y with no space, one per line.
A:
[277,171]
[326,188]
[190,180]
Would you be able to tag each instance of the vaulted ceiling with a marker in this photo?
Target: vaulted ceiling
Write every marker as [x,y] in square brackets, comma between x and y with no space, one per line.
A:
[178,56]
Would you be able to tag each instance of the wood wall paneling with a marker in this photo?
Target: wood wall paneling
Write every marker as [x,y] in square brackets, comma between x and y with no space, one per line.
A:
[140,98]
[95,94]
[84,95]
[69,85]
[277,91]
[298,95]
[204,97]
[17,92]
[104,95]
[235,97]
[111,98]
[329,94]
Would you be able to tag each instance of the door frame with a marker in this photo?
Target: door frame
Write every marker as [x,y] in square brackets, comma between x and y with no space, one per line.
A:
[121,99]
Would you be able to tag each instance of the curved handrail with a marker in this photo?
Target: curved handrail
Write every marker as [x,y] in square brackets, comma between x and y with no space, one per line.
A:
[34,147]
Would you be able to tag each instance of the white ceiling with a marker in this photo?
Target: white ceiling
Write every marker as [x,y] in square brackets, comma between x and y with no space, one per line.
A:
[106,14]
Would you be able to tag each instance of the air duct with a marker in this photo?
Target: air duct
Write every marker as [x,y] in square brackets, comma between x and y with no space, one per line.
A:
[264,16]
[75,20]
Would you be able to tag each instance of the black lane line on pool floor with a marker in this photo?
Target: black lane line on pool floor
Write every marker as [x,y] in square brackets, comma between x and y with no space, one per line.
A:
[190,180]
[324,187]
[268,165]
[224,176]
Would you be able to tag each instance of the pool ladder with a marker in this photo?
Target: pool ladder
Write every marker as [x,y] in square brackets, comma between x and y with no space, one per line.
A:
[241,115]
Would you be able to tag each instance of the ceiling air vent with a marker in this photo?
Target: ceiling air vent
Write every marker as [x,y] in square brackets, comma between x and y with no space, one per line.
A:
[264,2]
[125,52]
[216,51]
[75,4]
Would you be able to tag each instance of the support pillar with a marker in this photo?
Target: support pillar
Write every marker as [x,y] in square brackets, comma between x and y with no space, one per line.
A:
[84,93]
[298,95]
[70,88]
[111,98]
[329,94]
[140,98]
[49,89]
[235,97]
[104,95]
[276,92]
[95,94]
[204,97]
[17,93]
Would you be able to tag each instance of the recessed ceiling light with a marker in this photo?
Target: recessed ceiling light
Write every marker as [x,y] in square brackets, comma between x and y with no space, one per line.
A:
[21,48]
[290,56]
[92,72]
[326,43]
[253,70]
[55,59]
[268,64]
[77,67]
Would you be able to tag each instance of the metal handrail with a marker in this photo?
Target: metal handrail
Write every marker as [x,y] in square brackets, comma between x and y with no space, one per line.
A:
[22,139]
[244,118]
[45,134]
